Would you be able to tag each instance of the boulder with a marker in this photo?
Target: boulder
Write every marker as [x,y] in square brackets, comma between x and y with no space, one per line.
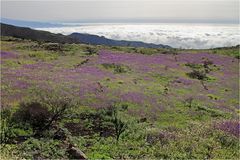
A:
[76,153]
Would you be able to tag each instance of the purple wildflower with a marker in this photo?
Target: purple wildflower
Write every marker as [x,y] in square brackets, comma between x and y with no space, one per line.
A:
[6,55]
[232,127]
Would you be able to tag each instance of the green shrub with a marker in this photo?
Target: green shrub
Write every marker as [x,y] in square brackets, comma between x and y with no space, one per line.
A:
[44,111]
[43,55]
[117,68]
[119,125]
[227,141]
[189,102]
[237,56]
[147,51]
[193,65]
[43,149]
[52,46]
[35,114]
[6,131]
[197,74]
[212,112]
[12,131]
[90,50]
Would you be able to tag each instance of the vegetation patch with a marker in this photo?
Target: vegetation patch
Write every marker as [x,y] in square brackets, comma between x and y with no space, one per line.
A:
[117,68]
[76,108]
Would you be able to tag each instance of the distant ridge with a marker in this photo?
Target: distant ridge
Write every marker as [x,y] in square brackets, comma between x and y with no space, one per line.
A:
[101,40]
[31,24]
[38,35]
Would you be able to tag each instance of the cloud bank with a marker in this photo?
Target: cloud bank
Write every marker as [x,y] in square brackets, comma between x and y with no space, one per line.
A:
[197,36]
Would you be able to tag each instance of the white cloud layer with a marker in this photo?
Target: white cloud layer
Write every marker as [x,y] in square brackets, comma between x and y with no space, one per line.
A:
[176,35]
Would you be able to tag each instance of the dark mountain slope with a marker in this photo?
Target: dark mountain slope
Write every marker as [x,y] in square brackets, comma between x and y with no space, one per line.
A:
[37,35]
[101,40]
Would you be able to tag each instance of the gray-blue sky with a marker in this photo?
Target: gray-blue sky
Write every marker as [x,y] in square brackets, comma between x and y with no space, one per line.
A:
[119,10]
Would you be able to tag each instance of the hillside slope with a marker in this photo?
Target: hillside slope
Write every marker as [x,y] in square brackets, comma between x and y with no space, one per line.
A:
[37,35]
[117,103]
[101,40]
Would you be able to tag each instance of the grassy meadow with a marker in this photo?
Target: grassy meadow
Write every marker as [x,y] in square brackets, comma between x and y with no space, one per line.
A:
[118,102]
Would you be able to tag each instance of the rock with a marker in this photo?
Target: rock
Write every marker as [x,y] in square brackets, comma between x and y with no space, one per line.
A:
[76,153]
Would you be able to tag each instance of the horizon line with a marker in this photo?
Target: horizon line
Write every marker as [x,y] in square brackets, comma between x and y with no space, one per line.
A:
[137,20]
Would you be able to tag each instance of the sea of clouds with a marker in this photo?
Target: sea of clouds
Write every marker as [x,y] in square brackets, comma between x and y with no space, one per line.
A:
[197,36]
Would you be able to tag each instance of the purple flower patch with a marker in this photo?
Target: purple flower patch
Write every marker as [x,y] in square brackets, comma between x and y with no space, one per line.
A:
[7,55]
[232,127]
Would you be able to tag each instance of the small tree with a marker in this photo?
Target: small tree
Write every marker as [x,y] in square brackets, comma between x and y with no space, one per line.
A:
[45,111]
[206,64]
[200,71]
[197,74]
[34,114]
[175,54]
[189,102]
[119,125]
[91,50]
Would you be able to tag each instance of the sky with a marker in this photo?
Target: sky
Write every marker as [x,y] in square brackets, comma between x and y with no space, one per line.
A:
[216,11]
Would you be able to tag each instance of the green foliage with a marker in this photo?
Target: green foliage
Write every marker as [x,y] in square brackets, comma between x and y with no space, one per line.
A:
[43,148]
[227,141]
[147,51]
[119,125]
[7,38]
[52,46]
[117,68]
[213,97]
[189,102]
[237,56]
[16,63]
[6,132]
[11,128]
[162,79]
[195,142]
[193,65]
[200,71]
[90,50]
[212,112]
[35,114]
[231,51]
[43,55]
[168,129]
[196,74]
[10,151]
[203,110]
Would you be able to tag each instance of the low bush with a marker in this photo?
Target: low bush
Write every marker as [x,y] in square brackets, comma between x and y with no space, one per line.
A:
[147,51]
[43,55]
[6,132]
[189,102]
[43,149]
[35,114]
[105,122]
[52,46]
[197,74]
[90,50]
[193,65]
[119,125]
[117,68]
[212,112]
